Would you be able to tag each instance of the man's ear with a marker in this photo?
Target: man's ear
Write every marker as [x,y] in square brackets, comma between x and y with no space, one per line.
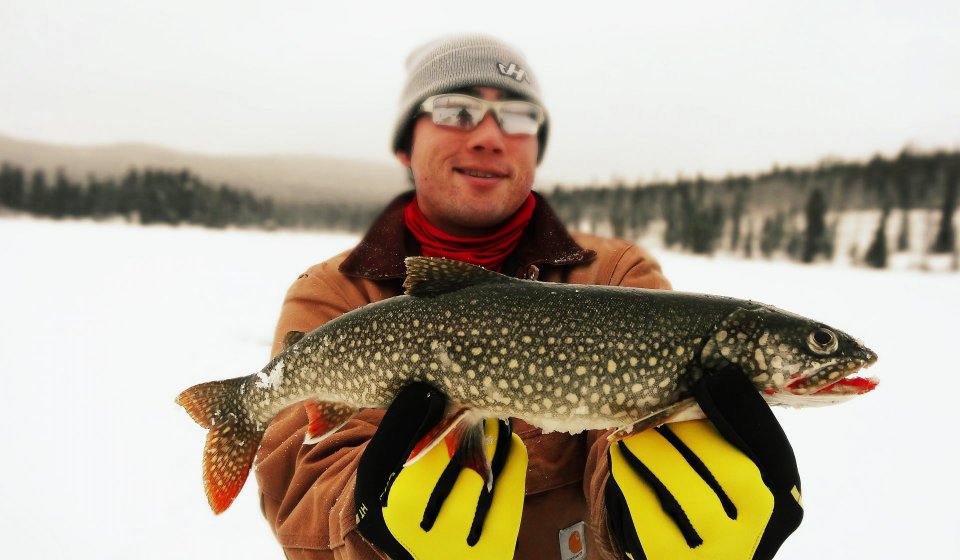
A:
[404,158]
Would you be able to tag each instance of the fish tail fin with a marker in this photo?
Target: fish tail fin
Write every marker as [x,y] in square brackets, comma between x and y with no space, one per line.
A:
[232,441]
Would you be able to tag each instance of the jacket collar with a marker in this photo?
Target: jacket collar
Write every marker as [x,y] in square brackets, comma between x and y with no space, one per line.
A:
[380,254]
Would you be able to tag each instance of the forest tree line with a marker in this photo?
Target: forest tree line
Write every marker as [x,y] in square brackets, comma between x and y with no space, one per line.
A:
[785,211]
[167,197]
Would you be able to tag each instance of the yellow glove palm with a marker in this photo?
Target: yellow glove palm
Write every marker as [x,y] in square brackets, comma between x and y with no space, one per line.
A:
[739,478]
[410,497]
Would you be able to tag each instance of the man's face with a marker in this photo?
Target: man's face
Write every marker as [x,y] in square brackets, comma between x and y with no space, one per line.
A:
[446,163]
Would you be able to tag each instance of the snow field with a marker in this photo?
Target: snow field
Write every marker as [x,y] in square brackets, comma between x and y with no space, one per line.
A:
[102,325]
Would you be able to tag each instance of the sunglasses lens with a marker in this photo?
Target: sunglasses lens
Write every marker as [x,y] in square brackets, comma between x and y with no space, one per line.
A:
[465,112]
[458,111]
[520,117]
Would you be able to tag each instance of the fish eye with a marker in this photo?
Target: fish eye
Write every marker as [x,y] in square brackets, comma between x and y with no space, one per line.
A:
[823,341]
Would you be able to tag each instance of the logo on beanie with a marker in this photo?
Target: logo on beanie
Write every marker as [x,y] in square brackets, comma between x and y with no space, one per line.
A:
[512,71]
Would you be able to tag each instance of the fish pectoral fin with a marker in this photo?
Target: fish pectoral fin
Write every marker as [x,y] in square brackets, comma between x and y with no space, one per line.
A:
[467,439]
[435,435]
[463,435]
[325,418]
[292,338]
[677,412]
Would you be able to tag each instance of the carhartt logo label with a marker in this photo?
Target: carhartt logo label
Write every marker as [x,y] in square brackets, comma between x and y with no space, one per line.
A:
[573,543]
[513,71]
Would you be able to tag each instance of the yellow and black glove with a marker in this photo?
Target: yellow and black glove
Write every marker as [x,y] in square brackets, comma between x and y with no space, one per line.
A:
[725,488]
[435,508]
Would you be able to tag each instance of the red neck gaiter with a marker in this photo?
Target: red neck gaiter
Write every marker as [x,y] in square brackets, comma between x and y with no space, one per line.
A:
[489,251]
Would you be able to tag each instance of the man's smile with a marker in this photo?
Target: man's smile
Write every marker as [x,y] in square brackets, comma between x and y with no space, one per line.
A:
[482,173]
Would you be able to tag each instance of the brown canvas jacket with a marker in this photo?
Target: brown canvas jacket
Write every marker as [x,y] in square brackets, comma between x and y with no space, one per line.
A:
[306,492]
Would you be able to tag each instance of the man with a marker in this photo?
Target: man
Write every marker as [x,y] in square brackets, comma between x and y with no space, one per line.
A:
[472,129]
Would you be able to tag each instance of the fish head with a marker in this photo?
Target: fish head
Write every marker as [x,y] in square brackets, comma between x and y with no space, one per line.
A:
[784,353]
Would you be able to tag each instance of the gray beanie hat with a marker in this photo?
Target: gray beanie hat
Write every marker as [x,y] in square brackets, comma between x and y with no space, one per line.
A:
[461,61]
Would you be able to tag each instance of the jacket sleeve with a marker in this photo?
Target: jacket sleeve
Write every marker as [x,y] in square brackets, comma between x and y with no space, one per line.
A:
[635,268]
[306,492]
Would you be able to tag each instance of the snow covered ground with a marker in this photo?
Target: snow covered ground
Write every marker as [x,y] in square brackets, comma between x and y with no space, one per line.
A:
[101,325]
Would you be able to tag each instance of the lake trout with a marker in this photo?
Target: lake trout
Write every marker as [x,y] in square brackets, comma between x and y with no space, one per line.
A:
[562,357]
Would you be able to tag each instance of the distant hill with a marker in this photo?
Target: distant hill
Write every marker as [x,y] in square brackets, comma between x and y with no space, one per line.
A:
[290,178]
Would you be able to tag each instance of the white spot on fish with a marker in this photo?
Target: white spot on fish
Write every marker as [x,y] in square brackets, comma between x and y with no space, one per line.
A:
[273,379]
[761,360]
[612,366]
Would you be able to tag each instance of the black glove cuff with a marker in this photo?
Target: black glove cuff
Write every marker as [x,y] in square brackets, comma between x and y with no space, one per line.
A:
[416,409]
[744,419]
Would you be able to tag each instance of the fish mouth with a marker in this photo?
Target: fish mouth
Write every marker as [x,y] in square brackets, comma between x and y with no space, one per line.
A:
[836,379]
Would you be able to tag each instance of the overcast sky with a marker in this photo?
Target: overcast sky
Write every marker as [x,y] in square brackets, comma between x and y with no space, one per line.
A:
[635,89]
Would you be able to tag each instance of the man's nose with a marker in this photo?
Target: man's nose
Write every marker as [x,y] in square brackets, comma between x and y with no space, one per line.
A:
[487,137]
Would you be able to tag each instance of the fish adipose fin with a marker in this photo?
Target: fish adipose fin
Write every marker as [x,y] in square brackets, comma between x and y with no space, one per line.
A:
[463,434]
[687,409]
[324,418]
[232,441]
[292,338]
[428,276]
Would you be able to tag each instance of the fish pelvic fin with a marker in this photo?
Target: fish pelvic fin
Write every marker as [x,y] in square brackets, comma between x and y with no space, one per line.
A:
[325,418]
[430,276]
[232,441]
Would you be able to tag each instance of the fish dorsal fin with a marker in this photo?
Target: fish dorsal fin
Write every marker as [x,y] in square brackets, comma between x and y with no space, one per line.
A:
[429,276]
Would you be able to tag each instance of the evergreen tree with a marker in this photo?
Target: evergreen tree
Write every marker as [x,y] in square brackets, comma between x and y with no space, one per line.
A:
[815,238]
[12,188]
[38,199]
[946,240]
[772,235]
[877,252]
